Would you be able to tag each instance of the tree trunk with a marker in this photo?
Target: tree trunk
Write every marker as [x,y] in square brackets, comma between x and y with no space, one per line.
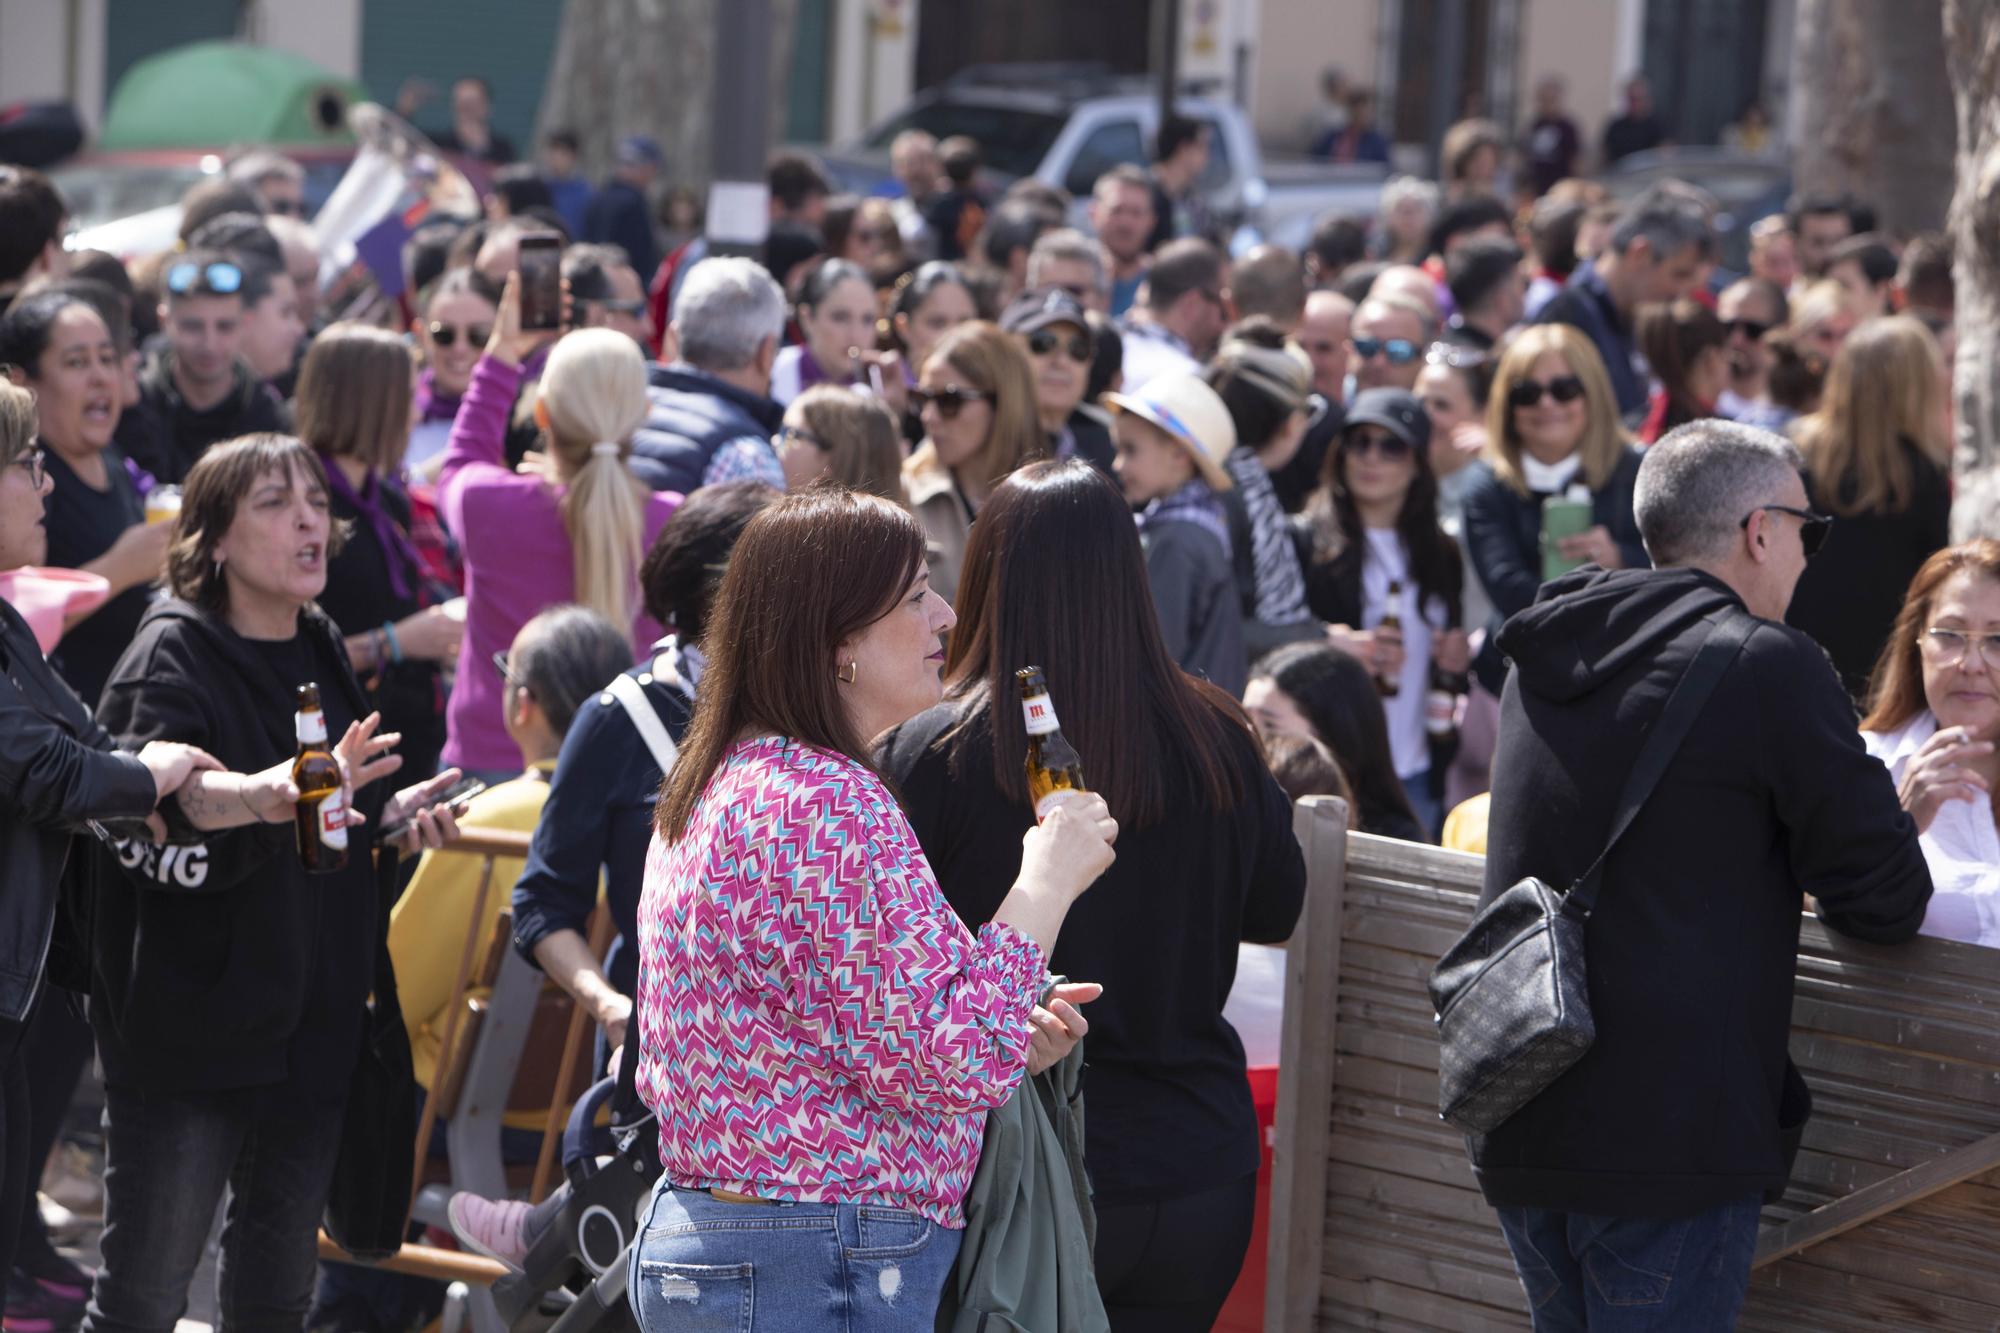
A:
[1972,36]
[1874,116]
[647,67]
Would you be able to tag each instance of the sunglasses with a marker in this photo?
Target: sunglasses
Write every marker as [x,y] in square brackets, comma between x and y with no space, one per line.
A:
[1389,448]
[631,309]
[1563,388]
[220,278]
[1749,328]
[1455,356]
[289,208]
[1400,351]
[1043,341]
[948,402]
[36,463]
[1812,527]
[446,335]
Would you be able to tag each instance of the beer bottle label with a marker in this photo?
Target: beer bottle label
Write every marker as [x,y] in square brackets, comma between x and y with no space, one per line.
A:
[1048,803]
[311,726]
[1039,714]
[333,820]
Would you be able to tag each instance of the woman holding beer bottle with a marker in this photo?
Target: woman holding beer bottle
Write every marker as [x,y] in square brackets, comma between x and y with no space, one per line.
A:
[1054,579]
[229,981]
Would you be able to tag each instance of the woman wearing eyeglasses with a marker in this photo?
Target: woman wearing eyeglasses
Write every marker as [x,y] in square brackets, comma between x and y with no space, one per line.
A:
[454,319]
[1552,431]
[1934,719]
[1877,455]
[977,399]
[837,434]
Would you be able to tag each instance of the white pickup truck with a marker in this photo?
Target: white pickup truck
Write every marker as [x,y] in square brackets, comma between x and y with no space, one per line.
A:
[1068,124]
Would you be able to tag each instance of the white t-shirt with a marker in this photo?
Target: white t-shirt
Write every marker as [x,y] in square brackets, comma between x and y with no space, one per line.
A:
[1387,562]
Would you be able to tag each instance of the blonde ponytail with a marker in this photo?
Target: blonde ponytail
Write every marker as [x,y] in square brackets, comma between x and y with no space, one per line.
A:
[594,390]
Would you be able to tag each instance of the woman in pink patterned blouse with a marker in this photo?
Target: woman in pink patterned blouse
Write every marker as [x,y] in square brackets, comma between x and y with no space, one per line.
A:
[818,1034]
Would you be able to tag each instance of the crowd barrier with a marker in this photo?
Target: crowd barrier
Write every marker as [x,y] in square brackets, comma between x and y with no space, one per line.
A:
[1376,1222]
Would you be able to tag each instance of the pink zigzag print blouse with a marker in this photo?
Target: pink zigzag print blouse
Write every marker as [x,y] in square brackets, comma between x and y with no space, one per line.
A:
[814,1021]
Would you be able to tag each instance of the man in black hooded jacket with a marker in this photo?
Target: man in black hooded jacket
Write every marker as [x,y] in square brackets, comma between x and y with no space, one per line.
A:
[1630,1188]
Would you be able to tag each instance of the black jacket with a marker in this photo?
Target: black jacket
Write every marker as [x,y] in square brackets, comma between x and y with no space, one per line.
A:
[166,437]
[1503,535]
[54,778]
[1169,1106]
[1693,945]
[219,962]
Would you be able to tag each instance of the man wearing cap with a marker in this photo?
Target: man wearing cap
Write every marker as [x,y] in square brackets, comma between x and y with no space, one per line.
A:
[1173,435]
[1052,328]
[621,214]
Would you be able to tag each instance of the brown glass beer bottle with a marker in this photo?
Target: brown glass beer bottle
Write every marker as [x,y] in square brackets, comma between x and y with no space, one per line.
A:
[322,809]
[1053,764]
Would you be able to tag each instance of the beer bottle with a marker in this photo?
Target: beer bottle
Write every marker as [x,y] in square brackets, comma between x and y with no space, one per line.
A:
[1053,764]
[322,811]
[1386,684]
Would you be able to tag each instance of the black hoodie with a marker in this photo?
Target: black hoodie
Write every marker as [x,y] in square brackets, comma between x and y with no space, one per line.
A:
[1693,945]
[219,963]
[166,437]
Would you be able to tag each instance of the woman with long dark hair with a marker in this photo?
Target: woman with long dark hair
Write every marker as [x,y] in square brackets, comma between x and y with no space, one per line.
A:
[814,1026]
[1376,553]
[1318,691]
[1054,577]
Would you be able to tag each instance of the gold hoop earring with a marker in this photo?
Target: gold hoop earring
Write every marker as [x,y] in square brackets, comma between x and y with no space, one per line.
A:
[845,675]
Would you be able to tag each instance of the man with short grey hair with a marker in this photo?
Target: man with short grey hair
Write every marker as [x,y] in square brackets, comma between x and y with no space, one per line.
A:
[1068,259]
[1650,1159]
[1657,251]
[712,416]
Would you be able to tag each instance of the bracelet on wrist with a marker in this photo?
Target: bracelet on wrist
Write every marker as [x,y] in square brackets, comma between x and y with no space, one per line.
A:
[395,647]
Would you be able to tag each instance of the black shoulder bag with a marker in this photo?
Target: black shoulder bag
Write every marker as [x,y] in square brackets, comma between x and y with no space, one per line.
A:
[1512,996]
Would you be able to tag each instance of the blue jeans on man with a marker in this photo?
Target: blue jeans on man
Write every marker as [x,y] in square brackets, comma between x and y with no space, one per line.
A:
[1582,1271]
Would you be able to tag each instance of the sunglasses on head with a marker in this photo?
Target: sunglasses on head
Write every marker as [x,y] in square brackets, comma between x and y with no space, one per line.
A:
[1563,388]
[1389,448]
[1400,351]
[1812,527]
[289,208]
[949,402]
[1043,341]
[1455,356]
[1749,328]
[220,277]
[446,335]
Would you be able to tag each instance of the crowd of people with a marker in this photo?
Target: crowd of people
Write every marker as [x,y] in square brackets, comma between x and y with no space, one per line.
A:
[767,541]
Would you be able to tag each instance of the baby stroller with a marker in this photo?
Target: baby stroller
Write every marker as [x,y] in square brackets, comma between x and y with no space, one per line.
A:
[573,1277]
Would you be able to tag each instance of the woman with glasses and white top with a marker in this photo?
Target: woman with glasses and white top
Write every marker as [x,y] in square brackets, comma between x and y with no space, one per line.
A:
[1934,720]
[1552,432]
[977,398]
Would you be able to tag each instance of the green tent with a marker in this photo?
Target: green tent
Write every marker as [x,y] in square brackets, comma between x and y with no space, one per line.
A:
[210,94]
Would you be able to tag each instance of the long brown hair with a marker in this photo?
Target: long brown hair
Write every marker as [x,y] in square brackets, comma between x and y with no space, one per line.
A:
[808,572]
[992,362]
[1604,438]
[1054,578]
[1672,336]
[210,495]
[354,395]
[1884,390]
[1896,690]
[861,438]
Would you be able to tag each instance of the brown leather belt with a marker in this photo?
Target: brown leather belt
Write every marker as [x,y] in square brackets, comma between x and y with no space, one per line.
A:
[731,1196]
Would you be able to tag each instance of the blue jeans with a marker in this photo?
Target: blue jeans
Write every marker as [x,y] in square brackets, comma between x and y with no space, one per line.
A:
[168,1158]
[1634,1273]
[1429,810]
[703,1264]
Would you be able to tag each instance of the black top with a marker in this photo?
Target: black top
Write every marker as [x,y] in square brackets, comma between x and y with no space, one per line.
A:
[1297,480]
[165,436]
[1630,134]
[83,522]
[1853,589]
[1169,1108]
[1692,947]
[618,214]
[360,597]
[220,963]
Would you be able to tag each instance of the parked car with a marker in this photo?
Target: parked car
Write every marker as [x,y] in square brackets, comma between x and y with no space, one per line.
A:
[1068,124]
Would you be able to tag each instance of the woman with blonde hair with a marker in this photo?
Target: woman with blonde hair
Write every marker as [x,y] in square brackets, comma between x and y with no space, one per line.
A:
[845,436]
[574,533]
[1552,433]
[353,409]
[977,398]
[1877,459]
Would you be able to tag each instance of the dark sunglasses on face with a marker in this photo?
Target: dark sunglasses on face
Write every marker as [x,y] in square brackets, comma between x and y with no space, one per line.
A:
[1749,328]
[220,277]
[1563,388]
[1812,527]
[1043,341]
[1400,351]
[446,335]
[1389,448]
[949,402]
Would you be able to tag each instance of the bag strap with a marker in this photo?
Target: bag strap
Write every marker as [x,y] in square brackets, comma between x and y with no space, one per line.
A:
[645,719]
[1689,696]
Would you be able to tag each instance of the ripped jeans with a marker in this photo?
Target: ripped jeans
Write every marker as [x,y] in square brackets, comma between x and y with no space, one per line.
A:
[722,1267]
